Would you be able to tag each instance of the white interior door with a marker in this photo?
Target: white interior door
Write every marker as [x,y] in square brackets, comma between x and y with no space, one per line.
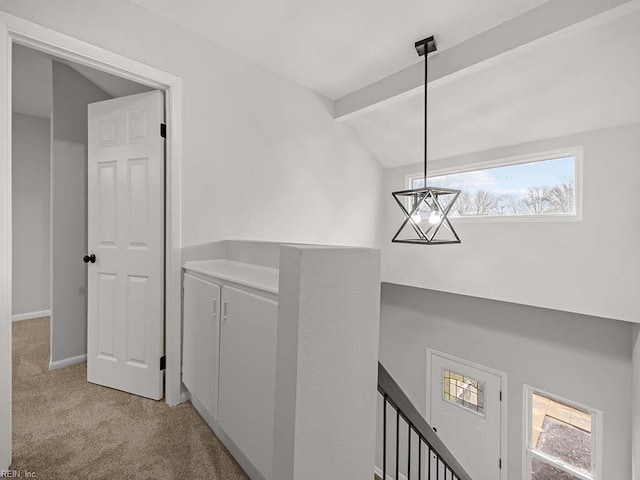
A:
[125,331]
[466,414]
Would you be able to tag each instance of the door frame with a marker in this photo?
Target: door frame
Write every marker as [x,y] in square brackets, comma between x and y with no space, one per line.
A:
[503,404]
[17,30]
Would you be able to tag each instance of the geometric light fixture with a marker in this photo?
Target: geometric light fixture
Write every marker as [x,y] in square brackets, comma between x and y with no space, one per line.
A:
[426,209]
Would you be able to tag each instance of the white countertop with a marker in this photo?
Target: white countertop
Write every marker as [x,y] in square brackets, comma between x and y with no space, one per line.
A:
[254,276]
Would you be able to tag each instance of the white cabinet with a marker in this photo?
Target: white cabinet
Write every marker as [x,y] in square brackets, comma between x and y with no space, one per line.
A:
[201,340]
[230,321]
[247,374]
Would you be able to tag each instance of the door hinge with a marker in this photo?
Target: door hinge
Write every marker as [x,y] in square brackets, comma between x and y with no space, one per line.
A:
[163,130]
[500,395]
[500,463]
[163,362]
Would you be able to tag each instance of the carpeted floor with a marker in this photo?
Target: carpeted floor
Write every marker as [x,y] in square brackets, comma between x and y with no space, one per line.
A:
[67,428]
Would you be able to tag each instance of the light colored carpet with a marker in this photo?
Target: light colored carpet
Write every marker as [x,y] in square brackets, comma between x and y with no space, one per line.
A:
[67,428]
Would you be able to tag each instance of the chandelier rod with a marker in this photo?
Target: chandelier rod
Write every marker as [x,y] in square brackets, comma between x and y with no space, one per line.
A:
[426,79]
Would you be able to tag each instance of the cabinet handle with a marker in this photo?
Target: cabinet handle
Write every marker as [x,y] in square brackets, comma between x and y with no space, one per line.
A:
[224,311]
[215,309]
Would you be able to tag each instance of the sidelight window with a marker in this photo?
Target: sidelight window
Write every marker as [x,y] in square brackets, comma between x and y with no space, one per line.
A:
[562,438]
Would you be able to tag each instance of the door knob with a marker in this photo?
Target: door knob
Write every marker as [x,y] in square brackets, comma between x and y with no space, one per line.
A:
[89,258]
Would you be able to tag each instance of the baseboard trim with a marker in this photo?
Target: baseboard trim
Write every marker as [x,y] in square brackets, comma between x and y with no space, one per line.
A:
[185,395]
[31,315]
[378,473]
[67,362]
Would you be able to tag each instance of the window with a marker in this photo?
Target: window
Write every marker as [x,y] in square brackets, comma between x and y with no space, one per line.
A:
[463,391]
[562,439]
[542,187]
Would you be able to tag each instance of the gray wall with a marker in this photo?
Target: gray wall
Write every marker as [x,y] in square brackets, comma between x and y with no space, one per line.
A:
[581,358]
[31,236]
[71,95]
[636,403]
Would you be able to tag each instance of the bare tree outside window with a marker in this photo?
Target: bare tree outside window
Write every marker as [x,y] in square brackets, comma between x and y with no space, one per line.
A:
[485,203]
[545,187]
[464,204]
[537,200]
[562,197]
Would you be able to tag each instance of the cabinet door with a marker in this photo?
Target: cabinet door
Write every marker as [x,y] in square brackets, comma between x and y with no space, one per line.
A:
[201,340]
[247,374]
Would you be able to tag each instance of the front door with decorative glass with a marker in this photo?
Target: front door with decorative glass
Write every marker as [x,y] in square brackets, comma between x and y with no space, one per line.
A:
[465,411]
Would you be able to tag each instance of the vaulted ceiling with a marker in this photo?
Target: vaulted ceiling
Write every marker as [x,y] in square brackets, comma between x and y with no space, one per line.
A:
[565,79]
[335,46]
[583,82]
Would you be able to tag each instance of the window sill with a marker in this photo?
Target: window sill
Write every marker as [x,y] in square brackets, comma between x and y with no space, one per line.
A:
[518,219]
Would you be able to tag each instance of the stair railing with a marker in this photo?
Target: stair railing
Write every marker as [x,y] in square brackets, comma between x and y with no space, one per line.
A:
[432,460]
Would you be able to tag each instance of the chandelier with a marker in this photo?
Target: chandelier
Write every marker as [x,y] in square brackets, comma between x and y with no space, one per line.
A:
[426,208]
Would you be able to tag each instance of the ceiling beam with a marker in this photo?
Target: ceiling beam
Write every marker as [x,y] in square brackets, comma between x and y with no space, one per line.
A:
[545,23]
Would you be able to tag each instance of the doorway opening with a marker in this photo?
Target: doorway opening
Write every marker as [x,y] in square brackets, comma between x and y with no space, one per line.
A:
[50,193]
[20,33]
[87,176]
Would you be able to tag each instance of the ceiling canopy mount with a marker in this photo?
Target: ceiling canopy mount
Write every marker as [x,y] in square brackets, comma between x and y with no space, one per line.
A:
[428,45]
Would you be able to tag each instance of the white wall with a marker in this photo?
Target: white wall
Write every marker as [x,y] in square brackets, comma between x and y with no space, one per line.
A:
[263,158]
[581,358]
[71,95]
[589,267]
[31,160]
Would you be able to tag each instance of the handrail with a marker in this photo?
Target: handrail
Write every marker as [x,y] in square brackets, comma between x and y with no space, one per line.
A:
[394,395]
